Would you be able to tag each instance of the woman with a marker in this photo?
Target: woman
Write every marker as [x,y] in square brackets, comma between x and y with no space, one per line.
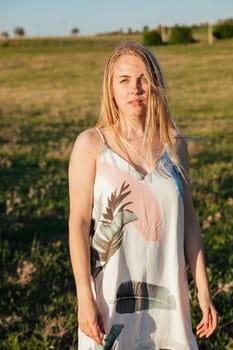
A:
[129,188]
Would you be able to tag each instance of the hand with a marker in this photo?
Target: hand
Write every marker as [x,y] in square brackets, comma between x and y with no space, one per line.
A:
[90,320]
[208,323]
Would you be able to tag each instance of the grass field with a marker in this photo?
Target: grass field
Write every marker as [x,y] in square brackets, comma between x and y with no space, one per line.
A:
[50,91]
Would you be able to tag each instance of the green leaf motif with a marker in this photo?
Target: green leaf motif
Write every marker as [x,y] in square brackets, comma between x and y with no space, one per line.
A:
[109,343]
[135,296]
[108,236]
[112,335]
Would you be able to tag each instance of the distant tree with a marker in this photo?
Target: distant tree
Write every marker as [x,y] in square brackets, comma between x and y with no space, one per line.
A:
[152,38]
[130,30]
[223,29]
[19,31]
[145,29]
[4,35]
[181,35]
[75,31]
[226,20]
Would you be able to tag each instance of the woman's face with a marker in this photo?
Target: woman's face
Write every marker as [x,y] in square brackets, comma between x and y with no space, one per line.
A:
[130,87]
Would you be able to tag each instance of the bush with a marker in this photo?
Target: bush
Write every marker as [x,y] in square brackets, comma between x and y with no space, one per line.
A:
[4,35]
[19,31]
[223,30]
[181,35]
[75,31]
[152,38]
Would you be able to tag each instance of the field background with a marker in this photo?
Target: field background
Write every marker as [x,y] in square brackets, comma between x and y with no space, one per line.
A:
[50,90]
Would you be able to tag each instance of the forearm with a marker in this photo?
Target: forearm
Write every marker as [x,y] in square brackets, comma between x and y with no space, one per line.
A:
[89,318]
[195,256]
[79,245]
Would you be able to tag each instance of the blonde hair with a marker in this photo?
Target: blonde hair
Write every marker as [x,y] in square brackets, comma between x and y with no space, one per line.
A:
[158,118]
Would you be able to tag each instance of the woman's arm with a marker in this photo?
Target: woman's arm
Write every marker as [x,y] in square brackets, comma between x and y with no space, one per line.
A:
[194,252]
[81,184]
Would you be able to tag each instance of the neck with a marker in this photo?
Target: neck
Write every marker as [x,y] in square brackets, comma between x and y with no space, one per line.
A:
[132,128]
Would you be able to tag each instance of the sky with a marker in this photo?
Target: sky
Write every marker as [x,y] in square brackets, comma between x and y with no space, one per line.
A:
[58,17]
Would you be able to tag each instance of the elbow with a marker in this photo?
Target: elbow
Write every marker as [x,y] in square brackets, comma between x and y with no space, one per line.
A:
[78,225]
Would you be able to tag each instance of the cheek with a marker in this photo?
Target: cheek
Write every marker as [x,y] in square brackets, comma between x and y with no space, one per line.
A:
[114,95]
[117,95]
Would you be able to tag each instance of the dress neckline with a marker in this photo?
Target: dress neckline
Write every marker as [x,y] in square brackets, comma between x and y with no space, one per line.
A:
[141,175]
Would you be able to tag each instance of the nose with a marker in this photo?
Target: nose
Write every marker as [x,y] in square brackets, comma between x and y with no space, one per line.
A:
[136,87]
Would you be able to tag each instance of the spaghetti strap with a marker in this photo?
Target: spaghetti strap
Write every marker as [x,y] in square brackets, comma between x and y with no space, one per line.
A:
[101,135]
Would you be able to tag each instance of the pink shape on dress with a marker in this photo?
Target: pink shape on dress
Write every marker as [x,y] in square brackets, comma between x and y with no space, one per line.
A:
[144,203]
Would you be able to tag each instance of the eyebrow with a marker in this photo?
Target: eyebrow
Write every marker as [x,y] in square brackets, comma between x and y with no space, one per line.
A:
[128,76]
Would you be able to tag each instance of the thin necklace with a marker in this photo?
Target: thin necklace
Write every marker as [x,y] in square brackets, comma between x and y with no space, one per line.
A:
[148,161]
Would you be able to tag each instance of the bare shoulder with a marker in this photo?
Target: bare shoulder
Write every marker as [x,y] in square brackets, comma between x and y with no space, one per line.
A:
[88,143]
[89,137]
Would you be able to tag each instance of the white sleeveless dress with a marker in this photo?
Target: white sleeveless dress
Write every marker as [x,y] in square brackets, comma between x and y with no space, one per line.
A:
[137,257]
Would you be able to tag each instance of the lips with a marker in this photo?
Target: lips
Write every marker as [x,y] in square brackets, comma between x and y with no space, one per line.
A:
[136,102]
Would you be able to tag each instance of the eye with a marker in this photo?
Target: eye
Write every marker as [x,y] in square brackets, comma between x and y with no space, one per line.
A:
[125,80]
[144,80]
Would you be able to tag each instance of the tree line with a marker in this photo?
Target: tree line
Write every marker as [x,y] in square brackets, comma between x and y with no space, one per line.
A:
[176,34]
[184,34]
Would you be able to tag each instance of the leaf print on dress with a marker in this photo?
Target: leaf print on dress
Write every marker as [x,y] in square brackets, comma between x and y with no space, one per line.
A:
[143,201]
[107,238]
[136,296]
[112,335]
[109,342]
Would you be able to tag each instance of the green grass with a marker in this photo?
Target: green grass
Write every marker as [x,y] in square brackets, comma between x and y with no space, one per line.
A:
[50,91]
